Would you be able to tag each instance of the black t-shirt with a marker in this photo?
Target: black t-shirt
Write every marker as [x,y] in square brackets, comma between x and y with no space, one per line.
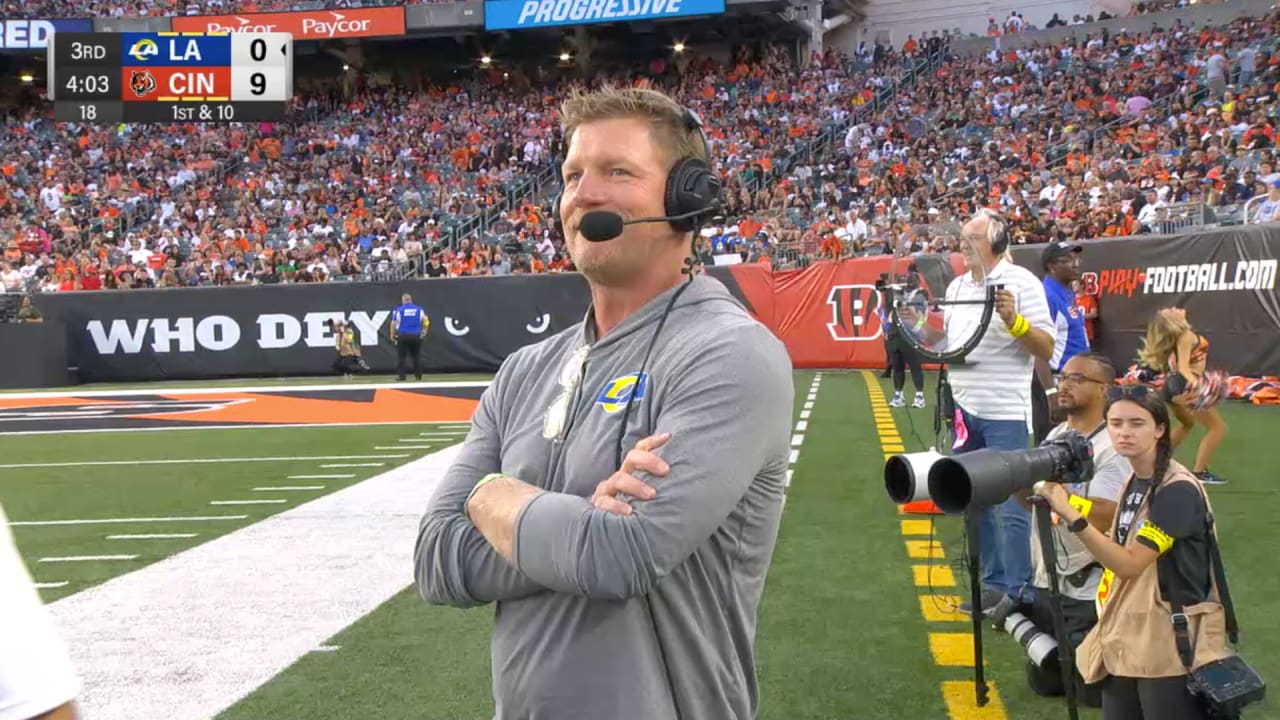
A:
[1175,528]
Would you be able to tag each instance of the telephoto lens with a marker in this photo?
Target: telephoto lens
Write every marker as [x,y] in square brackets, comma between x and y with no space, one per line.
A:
[1039,646]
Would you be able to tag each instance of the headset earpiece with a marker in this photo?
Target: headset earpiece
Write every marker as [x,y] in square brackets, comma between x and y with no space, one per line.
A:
[691,187]
[997,232]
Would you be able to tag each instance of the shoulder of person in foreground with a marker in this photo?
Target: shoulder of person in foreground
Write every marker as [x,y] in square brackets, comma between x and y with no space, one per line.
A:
[36,676]
[728,408]
[1178,510]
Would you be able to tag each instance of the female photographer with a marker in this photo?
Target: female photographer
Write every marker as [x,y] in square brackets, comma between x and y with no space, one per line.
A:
[348,361]
[1158,550]
[1175,349]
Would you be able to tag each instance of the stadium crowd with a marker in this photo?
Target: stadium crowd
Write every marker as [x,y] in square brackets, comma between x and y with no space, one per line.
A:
[1079,139]
[171,8]
[1116,135]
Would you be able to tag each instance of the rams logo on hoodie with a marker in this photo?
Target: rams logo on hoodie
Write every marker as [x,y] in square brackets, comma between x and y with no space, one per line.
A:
[614,395]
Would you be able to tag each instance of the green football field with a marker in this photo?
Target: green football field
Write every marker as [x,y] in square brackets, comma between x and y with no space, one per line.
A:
[856,621]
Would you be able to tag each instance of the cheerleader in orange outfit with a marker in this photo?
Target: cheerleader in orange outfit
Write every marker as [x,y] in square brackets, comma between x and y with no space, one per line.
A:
[1174,348]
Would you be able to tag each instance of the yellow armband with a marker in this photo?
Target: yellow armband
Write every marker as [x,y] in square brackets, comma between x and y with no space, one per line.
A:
[1083,505]
[1019,327]
[1153,534]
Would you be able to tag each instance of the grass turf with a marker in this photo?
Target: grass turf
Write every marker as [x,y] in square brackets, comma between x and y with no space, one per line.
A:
[177,490]
[841,631]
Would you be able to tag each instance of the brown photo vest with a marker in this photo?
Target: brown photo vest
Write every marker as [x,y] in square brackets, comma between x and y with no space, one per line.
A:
[1134,635]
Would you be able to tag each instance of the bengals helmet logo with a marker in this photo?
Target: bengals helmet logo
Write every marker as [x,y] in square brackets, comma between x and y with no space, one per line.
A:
[142,83]
[855,313]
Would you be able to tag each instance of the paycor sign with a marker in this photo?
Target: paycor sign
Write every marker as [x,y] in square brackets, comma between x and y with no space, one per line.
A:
[518,14]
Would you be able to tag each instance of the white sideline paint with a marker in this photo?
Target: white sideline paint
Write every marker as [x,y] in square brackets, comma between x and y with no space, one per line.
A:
[51,585]
[351,465]
[87,558]
[195,461]
[320,477]
[328,648]
[214,389]
[124,521]
[285,488]
[190,635]
[403,447]
[154,536]
[241,426]
[249,502]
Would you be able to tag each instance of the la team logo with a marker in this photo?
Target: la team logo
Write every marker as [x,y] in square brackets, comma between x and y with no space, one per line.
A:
[855,315]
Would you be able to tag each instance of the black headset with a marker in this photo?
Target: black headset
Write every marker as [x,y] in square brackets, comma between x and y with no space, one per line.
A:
[997,230]
[692,191]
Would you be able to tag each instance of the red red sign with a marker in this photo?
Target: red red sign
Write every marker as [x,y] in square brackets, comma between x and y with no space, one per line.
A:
[311,25]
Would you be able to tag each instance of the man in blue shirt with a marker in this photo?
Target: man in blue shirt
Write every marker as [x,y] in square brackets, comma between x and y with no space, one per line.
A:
[1061,263]
[409,325]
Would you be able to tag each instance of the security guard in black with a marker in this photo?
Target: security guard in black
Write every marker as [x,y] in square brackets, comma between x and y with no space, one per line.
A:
[409,324]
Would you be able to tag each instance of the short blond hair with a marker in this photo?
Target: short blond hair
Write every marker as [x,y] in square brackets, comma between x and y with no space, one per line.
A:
[675,130]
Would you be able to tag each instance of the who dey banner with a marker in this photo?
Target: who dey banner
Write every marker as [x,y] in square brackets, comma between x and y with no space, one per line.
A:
[524,14]
[34,34]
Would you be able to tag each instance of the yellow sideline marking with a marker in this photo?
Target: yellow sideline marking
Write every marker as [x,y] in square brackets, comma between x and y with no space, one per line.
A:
[949,649]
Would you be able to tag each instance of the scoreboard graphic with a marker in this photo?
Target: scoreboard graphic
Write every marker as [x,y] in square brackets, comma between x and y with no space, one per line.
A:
[166,77]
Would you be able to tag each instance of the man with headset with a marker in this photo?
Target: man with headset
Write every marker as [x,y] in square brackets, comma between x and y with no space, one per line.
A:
[992,388]
[620,492]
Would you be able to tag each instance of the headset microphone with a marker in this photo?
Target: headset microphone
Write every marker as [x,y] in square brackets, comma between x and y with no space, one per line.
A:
[602,225]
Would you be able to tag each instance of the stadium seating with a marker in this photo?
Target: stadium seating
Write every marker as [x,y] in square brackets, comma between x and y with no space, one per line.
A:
[1114,135]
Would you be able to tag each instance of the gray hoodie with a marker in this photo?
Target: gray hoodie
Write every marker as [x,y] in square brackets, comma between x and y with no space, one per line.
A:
[624,617]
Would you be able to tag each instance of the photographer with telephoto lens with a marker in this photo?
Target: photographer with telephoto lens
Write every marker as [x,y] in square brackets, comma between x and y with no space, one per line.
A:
[1082,393]
[1160,646]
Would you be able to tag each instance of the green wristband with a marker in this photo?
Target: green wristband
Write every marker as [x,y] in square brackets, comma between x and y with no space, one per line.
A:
[483,480]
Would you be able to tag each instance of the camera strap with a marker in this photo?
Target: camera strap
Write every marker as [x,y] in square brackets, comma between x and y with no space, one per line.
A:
[1181,624]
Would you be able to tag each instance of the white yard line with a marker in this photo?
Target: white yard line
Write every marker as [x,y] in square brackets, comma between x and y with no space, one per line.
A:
[87,558]
[214,390]
[797,439]
[351,465]
[320,477]
[285,488]
[272,501]
[51,585]
[403,447]
[125,521]
[241,426]
[153,536]
[196,461]
[194,633]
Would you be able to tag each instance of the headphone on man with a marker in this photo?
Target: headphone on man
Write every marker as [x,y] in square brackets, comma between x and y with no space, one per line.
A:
[692,190]
[997,230]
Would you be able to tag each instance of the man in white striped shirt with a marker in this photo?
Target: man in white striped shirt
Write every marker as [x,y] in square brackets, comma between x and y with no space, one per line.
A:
[992,388]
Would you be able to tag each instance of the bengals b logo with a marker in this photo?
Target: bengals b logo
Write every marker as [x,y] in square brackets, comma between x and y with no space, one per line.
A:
[142,83]
[855,313]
